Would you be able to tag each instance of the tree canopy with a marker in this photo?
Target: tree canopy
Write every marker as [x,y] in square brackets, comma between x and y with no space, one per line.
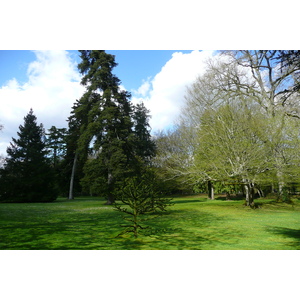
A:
[240,124]
[113,136]
[27,175]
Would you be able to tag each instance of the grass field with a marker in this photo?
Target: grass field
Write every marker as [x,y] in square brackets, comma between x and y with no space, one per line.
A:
[193,222]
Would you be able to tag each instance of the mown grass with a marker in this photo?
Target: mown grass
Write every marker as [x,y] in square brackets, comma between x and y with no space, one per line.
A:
[193,222]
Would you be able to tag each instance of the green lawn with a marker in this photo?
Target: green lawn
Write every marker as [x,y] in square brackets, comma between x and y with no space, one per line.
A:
[191,223]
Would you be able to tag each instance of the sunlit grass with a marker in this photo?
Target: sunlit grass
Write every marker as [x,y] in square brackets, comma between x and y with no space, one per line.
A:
[193,222]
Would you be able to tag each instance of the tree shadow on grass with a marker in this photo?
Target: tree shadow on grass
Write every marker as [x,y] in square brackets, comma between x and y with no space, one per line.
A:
[175,230]
[188,230]
[232,198]
[188,201]
[288,232]
[72,232]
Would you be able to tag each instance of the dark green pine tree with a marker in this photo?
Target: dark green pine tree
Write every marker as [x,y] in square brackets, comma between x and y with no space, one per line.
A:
[27,175]
[56,143]
[112,136]
[145,147]
[105,124]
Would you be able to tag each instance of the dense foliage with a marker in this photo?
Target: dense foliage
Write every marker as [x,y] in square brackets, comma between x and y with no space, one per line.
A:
[27,175]
[240,124]
[111,136]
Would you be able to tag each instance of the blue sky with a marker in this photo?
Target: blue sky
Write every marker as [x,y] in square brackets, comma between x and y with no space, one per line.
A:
[14,64]
[48,82]
[133,65]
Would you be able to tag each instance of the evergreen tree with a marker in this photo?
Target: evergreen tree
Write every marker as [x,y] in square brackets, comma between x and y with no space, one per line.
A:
[113,135]
[56,144]
[27,175]
[141,197]
[104,117]
[145,146]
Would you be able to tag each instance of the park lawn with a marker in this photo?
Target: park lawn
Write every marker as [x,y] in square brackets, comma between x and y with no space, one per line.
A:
[193,222]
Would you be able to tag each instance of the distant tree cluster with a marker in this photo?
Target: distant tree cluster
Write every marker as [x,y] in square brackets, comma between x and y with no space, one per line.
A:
[107,141]
[239,127]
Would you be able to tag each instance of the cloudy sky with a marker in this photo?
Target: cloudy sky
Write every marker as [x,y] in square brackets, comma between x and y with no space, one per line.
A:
[49,83]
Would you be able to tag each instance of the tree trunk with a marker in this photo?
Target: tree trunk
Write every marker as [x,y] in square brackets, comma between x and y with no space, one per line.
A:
[260,192]
[249,188]
[211,193]
[71,195]
[280,184]
[110,196]
[228,197]
[110,199]
[273,188]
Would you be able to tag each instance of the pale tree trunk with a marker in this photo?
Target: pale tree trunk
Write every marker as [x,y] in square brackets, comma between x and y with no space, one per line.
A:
[280,184]
[260,192]
[273,188]
[71,195]
[110,196]
[211,192]
[249,189]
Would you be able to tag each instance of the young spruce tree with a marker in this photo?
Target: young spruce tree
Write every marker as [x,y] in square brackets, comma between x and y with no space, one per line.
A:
[27,175]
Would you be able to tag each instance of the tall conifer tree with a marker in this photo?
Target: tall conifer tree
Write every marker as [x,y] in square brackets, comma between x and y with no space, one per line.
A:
[145,147]
[113,135]
[104,114]
[27,175]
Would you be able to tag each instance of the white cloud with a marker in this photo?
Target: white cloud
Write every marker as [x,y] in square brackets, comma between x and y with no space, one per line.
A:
[144,88]
[52,88]
[164,95]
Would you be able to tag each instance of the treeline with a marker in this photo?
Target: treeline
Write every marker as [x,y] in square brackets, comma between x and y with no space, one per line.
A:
[239,129]
[238,132]
[107,141]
